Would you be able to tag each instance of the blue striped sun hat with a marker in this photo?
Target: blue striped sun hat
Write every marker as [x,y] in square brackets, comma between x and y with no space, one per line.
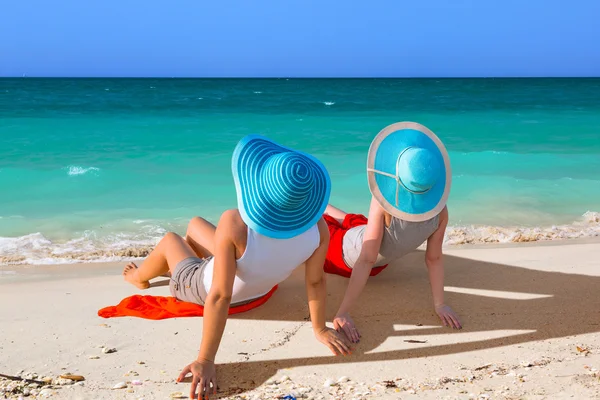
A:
[281,192]
[408,170]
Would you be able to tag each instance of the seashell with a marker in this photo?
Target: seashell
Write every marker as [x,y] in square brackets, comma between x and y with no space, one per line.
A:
[329,382]
[120,385]
[107,350]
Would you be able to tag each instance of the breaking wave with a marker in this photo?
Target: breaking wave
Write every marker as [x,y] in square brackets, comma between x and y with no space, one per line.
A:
[35,248]
[75,170]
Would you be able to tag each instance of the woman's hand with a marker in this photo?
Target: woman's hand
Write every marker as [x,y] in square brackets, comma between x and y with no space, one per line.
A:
[334,340]
[203,375]
[448,316]
[343,322]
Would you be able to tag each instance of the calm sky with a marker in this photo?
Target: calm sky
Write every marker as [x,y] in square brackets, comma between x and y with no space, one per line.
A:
[293,38]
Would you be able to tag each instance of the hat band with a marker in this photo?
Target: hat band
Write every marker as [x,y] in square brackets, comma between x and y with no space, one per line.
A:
[398,183]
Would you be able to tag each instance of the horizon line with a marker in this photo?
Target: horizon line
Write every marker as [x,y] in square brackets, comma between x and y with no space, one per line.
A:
[24,76]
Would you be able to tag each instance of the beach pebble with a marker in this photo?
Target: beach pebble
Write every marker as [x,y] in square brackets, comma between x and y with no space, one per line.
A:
[46,379]
[329,382]
[94,358]
[285,378]
[46,393]
[120,385]
[343,379]
[72,377]
[177,395]
[107,350]
[62,382]
[141,362]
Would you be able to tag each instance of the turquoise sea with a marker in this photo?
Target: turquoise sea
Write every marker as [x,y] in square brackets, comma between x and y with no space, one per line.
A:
[99,169]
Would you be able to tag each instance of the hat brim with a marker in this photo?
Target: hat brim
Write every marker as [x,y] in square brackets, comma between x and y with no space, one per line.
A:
[257,212]
[383,153]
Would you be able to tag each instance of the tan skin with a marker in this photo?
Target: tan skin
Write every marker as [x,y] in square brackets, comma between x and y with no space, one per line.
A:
[378,219]
[227,242]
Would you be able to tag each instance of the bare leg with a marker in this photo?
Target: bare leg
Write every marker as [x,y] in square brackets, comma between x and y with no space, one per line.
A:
[168,253]
[200,236]
[336,213]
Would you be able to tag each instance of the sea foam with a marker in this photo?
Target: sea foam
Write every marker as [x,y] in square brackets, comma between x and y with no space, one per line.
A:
[75,170]
[35,248]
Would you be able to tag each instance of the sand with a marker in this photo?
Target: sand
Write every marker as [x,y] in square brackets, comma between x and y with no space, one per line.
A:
[531,317]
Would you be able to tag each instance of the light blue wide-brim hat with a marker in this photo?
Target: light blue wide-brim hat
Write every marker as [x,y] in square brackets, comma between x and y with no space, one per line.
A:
[408,170]
[281,192]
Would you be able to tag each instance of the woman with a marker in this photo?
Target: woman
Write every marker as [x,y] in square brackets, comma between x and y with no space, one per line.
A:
[282,195]
[409,178]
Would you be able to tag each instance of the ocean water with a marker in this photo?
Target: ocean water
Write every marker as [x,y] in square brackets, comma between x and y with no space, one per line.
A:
[100,169]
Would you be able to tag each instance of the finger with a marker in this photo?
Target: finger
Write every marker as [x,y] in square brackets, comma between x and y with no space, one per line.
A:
[443,318]
[341,345]
[452,322]
[332,348]
[338,347]
[193,388]
[355,334]
[206,388]
[348,332]
[448,321]
[183,373]
[201,389]
[456,322]
[346,340]
[214,383]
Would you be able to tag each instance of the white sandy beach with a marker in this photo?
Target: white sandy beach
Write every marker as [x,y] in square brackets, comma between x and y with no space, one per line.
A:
[531,317]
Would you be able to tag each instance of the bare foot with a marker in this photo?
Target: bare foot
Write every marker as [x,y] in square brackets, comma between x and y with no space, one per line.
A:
[131,276]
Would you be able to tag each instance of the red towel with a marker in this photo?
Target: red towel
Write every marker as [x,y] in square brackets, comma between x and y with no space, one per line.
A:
[162,307]
[334,263]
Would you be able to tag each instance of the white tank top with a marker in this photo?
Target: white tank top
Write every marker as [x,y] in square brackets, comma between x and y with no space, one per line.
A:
[266,263]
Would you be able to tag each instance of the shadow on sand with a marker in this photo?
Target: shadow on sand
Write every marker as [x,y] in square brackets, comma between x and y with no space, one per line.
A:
[547,304]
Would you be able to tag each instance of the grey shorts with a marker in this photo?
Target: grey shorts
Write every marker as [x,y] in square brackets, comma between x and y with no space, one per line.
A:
[186,281]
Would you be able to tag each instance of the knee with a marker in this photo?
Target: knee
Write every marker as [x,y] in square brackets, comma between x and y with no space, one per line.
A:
[171,237]
[195,222]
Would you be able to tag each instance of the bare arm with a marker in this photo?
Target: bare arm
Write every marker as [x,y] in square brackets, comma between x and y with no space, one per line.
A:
[317,295]
[362,268]
[216,309]
[435,269]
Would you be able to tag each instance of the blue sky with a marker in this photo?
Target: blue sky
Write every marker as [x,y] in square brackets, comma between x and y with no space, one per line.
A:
[294,38]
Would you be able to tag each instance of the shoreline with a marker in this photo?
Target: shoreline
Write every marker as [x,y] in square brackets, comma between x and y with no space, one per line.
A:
[76,263]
